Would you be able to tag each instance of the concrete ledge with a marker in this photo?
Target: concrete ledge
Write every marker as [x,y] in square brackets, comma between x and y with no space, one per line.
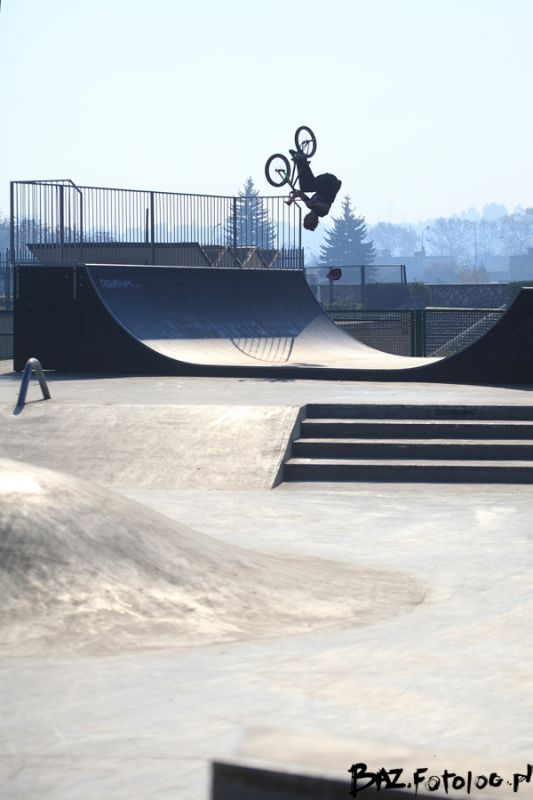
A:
[240,782]
[273,764]
[153,446]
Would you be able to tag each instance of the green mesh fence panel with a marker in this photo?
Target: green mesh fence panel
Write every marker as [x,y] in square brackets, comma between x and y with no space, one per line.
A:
[6,334]
[449,330]
[389,331]
[6,283]
[446,331]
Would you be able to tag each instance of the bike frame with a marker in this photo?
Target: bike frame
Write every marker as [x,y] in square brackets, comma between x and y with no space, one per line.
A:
[289,175]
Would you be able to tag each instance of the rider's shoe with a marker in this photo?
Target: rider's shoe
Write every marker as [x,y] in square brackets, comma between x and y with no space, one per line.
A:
[297,154]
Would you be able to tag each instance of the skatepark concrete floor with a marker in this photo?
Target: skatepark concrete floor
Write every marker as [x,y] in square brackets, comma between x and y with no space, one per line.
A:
[432,656]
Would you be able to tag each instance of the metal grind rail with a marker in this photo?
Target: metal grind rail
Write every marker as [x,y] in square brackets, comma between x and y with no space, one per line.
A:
[32,365]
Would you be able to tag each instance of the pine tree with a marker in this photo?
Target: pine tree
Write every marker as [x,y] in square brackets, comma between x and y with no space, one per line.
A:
[252,226]
[344,242]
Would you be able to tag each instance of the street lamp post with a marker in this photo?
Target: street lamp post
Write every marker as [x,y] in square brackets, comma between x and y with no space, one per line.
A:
[214,233]
[427,228]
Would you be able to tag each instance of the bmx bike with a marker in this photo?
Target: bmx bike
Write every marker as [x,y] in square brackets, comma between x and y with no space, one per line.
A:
[278,170]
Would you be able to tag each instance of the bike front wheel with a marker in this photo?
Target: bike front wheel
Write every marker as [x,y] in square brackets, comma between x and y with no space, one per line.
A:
[278,170]
[305,141]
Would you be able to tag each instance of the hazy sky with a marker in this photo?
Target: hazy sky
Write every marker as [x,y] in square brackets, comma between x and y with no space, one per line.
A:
[422,108]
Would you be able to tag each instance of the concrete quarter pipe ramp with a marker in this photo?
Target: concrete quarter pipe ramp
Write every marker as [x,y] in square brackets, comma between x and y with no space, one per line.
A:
[229,322]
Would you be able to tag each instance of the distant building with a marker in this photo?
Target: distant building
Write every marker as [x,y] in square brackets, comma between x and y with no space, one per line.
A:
[440,269]
[521,266]
[497,268]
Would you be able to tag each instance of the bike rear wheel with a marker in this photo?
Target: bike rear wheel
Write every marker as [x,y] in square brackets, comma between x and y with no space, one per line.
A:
[278,170]
[305,141]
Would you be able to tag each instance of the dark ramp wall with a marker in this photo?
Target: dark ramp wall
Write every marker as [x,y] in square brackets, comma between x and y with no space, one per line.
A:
[266,323]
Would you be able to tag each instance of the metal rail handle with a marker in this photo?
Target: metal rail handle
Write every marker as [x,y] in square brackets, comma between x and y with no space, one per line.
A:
[32,365]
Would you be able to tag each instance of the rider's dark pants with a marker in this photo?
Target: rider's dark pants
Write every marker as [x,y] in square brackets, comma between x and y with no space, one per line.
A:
[305,176]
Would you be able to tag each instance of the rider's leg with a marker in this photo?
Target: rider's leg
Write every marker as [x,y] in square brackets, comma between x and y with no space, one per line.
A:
[305,175]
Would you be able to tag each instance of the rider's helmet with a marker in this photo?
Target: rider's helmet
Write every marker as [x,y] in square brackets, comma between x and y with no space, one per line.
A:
[311,221]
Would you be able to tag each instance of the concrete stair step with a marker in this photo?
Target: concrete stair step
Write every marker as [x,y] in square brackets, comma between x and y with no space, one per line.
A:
[409,442]
[414,429]
[408,470]
[459,449]
[413,411]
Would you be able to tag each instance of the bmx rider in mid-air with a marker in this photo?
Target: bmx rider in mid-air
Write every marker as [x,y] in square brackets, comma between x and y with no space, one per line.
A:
[324,186]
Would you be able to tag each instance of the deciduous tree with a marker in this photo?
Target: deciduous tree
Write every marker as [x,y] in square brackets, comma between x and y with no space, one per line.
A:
[398,240]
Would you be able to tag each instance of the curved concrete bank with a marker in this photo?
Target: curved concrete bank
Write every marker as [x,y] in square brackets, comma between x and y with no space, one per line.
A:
[84,570]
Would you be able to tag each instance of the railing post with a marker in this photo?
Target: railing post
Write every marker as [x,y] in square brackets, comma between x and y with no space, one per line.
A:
[418,332]
[363,285]
[61,222]
[300,250]
[234,234]
[81,227]
[8,284]
[152,227]
[12,219]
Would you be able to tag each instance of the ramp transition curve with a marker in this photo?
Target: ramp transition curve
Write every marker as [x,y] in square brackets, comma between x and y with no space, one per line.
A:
[229,322]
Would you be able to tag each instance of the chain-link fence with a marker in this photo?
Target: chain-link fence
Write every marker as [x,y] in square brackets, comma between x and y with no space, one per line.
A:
[390,331]
[6,305]
[448,330]
[6,282]
[6,334]
[420,332]
[377,306]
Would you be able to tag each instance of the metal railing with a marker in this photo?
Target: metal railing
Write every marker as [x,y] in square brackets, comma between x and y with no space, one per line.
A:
[32,365]
[57,221]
